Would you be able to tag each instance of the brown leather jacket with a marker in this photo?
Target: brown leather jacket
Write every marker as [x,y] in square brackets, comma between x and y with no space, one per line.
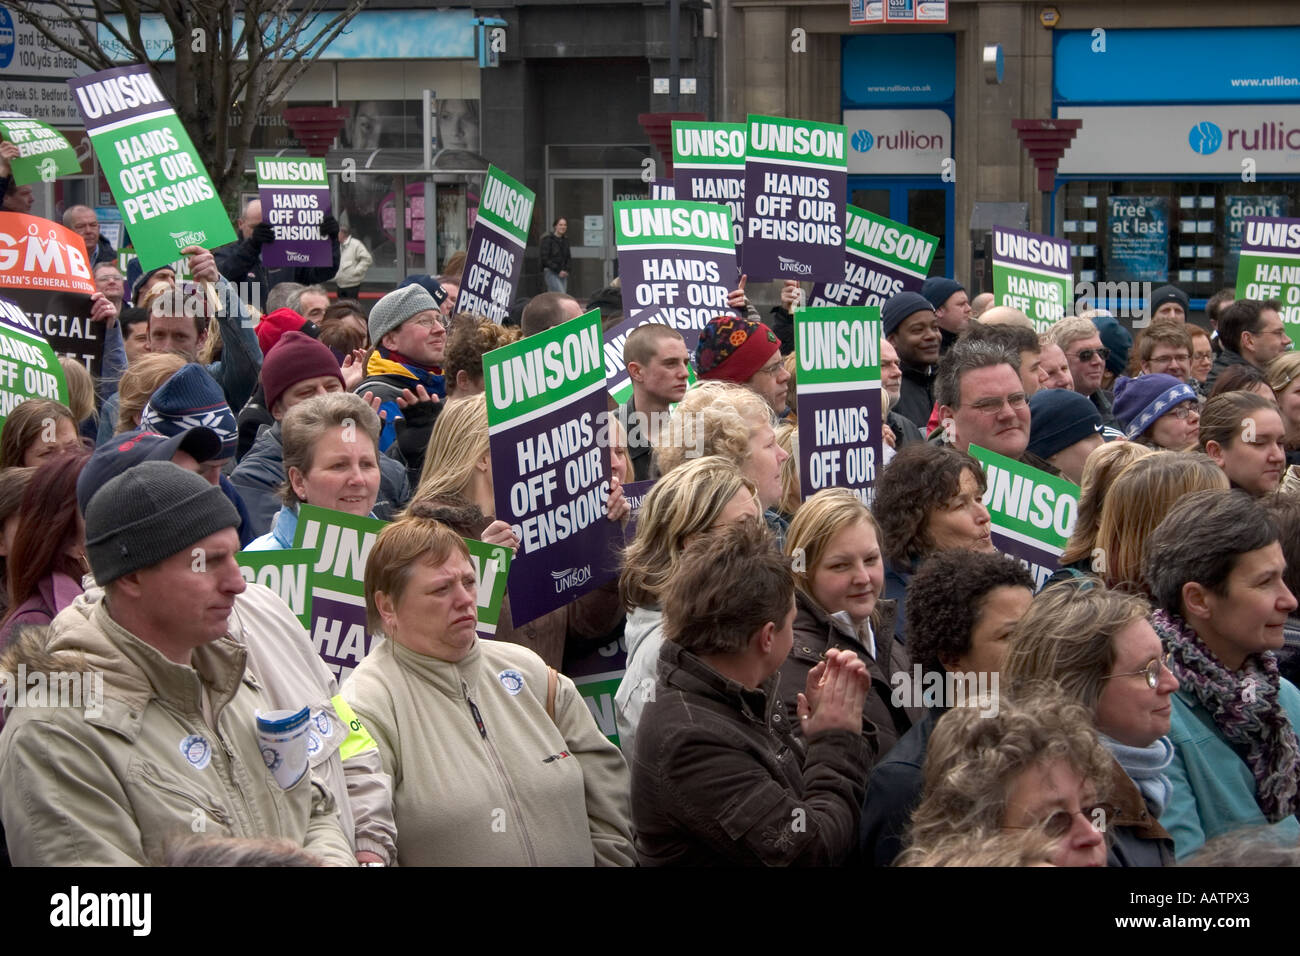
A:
[718,780]
[815,633]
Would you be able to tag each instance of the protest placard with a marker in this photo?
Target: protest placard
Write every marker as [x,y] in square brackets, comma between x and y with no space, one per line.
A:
[634,493]
[1270,267]
[495,259]
[883,258]
[597,675]
[287,573]
[677,262]
[44,154]
[28,367]
[796,178]
[45,270]
[1032,273]
[167,200]
[709,166]
[1032,512]
[340,544]
[295,194]
[663,189]
[838,383]
[492,569]
[546,409]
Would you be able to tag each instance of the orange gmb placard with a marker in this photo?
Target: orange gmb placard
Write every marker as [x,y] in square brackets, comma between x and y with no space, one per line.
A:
[37,253]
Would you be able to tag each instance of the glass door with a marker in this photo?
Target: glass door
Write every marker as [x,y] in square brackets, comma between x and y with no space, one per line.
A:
[583,202]
[923,203]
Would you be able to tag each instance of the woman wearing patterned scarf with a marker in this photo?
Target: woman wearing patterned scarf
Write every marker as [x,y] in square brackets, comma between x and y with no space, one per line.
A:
[1214,567]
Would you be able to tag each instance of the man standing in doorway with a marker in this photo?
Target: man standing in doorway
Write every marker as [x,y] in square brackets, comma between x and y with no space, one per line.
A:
[555,257]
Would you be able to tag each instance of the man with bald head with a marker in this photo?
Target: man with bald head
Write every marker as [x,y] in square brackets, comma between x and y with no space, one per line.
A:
[241,261]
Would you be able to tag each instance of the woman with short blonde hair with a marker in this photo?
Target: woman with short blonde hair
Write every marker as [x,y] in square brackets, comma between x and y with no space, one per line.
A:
[834,544]
[702,494]
[787,437]
[722,418]
[458,454]
[1138,501]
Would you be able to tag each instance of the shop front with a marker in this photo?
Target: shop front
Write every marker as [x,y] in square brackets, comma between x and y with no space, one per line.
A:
[1185,134]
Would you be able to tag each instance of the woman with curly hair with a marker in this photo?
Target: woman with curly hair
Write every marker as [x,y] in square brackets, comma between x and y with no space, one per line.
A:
[721,418]
[1099,647]
[929,498]
[1004,766]
[961,609]
[700,495]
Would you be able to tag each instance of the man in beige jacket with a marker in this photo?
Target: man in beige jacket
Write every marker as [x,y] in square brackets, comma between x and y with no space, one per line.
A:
[171,749]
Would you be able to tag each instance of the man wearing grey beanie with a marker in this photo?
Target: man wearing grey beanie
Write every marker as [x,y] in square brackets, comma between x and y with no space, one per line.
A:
[408,334]
[170,747]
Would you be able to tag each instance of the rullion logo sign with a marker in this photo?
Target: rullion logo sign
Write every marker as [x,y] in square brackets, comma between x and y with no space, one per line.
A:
[1205,138]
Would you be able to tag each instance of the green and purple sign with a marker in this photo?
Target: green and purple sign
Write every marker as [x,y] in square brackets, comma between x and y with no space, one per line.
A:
[796,178]
[1270,267]
[295,194]
[495,259]
[546,408]
[709,166]
[167,199]
[44,154]
[1032,273]
[882,258]
[838,382]
[1032,512]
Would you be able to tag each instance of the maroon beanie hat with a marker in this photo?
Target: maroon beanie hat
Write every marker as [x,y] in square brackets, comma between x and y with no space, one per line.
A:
[295,357]
[733,348]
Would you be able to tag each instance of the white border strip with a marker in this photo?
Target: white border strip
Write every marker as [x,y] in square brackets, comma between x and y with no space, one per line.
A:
[130,121]
[820,388]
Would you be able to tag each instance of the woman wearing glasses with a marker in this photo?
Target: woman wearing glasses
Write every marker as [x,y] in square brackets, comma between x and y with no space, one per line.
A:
[1158,410]
[1215,570]
[1019,782]
[1100,648]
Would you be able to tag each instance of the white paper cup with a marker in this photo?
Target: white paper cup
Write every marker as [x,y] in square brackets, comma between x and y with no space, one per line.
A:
[282,735]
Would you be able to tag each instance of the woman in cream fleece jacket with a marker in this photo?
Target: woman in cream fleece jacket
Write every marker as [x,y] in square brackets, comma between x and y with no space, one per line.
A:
[495,760]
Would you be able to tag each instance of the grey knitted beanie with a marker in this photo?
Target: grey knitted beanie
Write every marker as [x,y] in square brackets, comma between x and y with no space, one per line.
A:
[148,513]
[396,307]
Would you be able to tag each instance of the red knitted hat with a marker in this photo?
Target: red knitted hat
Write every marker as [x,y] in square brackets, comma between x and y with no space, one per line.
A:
[733,348]
[275,324]
[295,357]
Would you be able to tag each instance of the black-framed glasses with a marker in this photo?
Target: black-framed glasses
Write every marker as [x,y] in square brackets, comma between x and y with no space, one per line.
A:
[1060,822]
[1085,355]
[1151,672]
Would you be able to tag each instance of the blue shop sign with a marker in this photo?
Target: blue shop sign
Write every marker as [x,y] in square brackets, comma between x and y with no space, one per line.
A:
[898,69]
[1221,65]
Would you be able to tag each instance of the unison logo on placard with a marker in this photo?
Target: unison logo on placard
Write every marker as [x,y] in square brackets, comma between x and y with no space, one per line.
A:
[571,578]
[793,265]
[1205,138]
[193,237]
[297,256]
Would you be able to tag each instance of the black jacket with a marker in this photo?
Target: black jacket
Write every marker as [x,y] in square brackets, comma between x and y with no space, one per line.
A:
[718,780]
[916,396]
[638,443]
[904,430]
[1222,362]
[555,252]
[242,262]
[894,792]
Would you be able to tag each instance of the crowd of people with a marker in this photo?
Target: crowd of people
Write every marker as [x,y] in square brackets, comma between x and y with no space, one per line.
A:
[808,681]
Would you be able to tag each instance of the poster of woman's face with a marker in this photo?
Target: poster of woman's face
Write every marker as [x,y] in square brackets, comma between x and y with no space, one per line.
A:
[458,125]
[382,124]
